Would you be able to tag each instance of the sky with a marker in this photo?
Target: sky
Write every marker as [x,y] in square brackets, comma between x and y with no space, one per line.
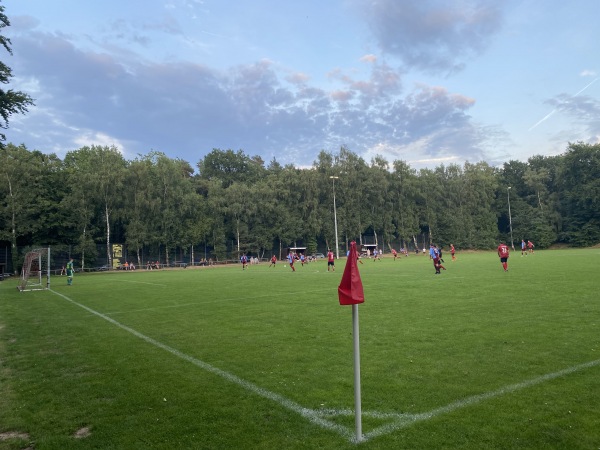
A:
[429,82]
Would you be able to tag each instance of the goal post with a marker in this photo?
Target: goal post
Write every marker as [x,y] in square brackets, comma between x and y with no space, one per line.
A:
[35,274]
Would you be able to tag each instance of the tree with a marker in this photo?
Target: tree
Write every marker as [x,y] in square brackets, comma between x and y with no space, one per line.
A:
[457,219]
[173,185]
[19,191]
[404,190]
[430,192]
[353,210]
[141,206]
[581,194]
[238,209]
[482,185]
[11,102]
[230,167]
[100,171]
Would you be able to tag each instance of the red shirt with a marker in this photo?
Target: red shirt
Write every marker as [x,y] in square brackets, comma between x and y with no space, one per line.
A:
[503,251]
[330,256]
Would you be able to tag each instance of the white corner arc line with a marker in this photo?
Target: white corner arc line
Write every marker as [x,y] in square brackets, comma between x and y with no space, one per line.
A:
[307,413]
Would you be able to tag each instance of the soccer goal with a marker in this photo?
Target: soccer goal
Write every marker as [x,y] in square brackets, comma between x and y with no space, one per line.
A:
[35,274]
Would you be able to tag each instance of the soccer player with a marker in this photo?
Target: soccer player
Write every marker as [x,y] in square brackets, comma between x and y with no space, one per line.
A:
[291,258]
[302,259]
[435,256]
[452,252]
[438,262]
[503,253]
[357,256]
[439,252]
[70,271]
[523,247]
[273,261]
[330,261]
[530,246]
[244,261]
[395,253]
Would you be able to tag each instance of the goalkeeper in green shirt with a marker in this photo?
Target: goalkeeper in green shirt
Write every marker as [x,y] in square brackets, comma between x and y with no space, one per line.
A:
[70,271]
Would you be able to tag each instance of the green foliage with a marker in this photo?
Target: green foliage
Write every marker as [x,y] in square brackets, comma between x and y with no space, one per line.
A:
[96,196]
[11,101]
[96,190]
[230,167]
[581,193]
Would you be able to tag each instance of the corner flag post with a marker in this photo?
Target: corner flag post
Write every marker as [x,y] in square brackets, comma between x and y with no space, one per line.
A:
[350,292]
[357,403]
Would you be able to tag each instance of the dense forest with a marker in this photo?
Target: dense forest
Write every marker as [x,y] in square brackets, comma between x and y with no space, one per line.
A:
[231,202]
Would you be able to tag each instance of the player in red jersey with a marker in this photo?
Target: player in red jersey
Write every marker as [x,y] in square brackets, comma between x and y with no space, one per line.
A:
[530,246]
[273,261]
[330,261]
[452,252]
[395,253]
[503,253]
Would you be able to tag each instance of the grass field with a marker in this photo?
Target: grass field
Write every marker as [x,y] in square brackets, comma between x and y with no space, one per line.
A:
[221,358]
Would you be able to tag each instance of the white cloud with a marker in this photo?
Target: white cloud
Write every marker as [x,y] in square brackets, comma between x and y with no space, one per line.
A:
[89,138]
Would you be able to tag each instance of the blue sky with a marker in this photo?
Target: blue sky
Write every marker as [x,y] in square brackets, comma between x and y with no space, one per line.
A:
[429,82]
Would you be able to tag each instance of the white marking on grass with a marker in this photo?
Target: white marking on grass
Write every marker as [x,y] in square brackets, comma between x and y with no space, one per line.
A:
[114,313]
[317,417]
[410,419]
[130,281]
[307,413]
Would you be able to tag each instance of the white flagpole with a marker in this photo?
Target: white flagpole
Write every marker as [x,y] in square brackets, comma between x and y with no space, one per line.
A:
[357,405]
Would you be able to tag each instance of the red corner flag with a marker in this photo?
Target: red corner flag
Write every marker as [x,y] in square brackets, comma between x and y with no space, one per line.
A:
[350,290]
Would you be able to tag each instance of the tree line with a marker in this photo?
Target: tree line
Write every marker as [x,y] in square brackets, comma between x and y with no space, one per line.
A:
[233,203]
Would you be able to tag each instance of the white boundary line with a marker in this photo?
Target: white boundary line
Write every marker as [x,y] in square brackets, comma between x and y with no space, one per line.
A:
[156,308]
[409,419]
[318,417]
[131,281]
[309,414]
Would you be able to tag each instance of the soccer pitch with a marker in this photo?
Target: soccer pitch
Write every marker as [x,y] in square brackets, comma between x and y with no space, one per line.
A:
[222,357]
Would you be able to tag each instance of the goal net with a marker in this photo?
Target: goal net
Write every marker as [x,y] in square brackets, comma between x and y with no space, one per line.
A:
[35,274]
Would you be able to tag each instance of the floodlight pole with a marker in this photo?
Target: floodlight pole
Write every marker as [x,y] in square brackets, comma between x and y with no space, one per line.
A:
[337,249]
[512,244]
[47,270]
